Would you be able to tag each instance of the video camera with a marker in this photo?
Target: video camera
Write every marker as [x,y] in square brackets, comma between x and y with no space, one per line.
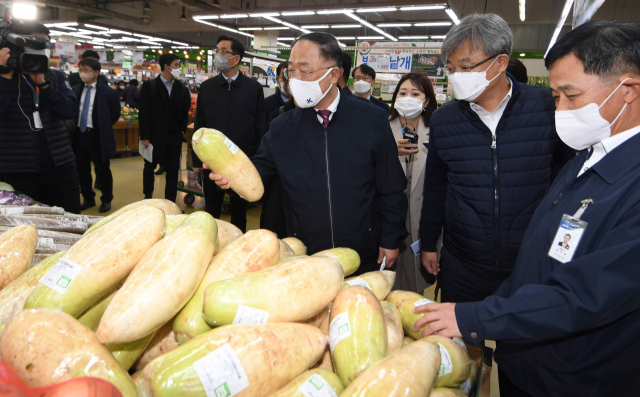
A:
[20,60]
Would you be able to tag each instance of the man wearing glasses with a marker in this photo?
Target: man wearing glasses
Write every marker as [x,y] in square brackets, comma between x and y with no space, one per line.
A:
[364,79]
[233,104]
[337,162]
[493,152]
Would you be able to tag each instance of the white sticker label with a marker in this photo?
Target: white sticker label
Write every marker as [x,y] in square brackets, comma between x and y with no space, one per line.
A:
[360,282]
[232,146]
[460,342]
[422,302]
[221,373]
[251,316]
[45,240]
[383,264]
[12,211]
[37,122]
[339,329]
[61,275]
[316,386]
[466,387]
[446,366]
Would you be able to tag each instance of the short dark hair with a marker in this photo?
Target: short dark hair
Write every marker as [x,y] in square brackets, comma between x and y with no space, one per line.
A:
[421,82]
[122,82]
[282,65]
[26,27]
[90,54]
[327,45]
[93,63]
[567,235]
[606,48]
[346,64]
[518,70]
[236,45]
[366,70]
[133,82]
[166,59]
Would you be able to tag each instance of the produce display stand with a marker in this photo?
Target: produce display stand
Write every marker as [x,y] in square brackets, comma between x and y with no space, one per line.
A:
[127,135]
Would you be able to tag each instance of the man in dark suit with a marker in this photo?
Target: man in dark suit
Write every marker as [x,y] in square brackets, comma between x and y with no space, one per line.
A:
[282,96]
[99,110]
[565,243]
[364,78]
[163,116]
[74,78]
[131,94]
[233,104]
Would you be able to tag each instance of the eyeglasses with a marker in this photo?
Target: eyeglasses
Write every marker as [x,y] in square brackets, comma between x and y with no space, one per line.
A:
[466,69]
[367,78]
[224,53]
[295,74]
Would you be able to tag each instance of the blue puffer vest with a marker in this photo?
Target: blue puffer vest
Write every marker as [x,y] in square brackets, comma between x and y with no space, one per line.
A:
[493,189]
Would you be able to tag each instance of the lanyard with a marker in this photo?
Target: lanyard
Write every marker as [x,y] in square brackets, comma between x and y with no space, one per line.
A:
[37,98]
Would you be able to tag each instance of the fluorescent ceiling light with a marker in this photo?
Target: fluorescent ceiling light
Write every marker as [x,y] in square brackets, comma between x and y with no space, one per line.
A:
[326,12]
[253,28]
[345,26]
[392,25]
[206,17]
[442,37]
[362,21]
[112,31]
[283,44]
[342,44]
[286,38]
[143,36]
[346,38]
[523,54]
[234,30]
[81,36]
[315,26]
[431,24]
[165,40]
[413,37]
[142,47]
[276,28]
[294,13]
[272,19]
[521,8]
[370,37]
[563,18]
[95,27]
[179,43]
[232,16]
[66,27]
[264,14]
[418,8]
[381,9]
[452,15]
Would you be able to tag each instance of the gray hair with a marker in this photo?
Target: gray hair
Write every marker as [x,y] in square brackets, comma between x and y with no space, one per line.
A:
[488,32]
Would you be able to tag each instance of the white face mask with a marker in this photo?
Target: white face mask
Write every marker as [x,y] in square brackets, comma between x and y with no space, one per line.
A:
[584,127]
[175,73]
[86,78]
[362,87]
[408,107]
[469,86]
[308,93]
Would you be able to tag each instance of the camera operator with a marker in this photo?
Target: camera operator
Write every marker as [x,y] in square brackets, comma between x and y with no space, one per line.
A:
[36,157]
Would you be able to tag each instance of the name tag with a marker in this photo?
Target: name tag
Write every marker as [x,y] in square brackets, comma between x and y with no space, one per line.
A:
[567,238]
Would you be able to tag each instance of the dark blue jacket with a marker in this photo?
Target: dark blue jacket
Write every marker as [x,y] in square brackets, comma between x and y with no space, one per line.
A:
[485,197]
[572,329]
[105,113]
[273,102]
[342,186]
[131,96]
[379,104]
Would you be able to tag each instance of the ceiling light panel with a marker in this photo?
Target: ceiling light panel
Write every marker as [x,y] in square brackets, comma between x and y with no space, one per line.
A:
[419,8]
[206,17]
[232,16]
[265,14]
[253,28]
[327,12]
[346,38]
[276,28]
[394,25]
[295,13]
[95,27]
[380,9]
[413,37]
[315,26]
[345,26]
[445,23]
[452,15]
[370,37]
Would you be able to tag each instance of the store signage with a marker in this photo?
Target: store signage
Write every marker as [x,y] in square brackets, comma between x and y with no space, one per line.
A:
[138,58]
[63,48]
[118,57]
[395,57]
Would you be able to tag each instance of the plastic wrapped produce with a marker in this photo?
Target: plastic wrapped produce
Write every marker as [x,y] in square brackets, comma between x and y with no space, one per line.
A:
[17,247]
[227,233]
[395,334]
[48,346]
[379,282]
[348,258]
[49,249]
[51,237]
[10,198]
[405,302]
[44,223]
[37,258]
[286,252]
[296,245]
[4,186]
[455,362]
[30,210]
[168,207]
[315,382]
[163,341]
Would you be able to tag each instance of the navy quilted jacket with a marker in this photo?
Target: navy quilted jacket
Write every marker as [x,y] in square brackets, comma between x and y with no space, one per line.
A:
[484,193]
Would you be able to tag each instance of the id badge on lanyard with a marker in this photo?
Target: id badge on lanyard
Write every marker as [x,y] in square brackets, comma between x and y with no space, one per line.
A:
[567,238]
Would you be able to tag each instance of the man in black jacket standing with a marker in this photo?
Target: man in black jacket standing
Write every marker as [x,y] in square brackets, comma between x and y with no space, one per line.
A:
[99,110]
[37,158]
[341,180]
[233,104]
[74,78]
[282,96]
[131,95]
[364,78]
[163,118]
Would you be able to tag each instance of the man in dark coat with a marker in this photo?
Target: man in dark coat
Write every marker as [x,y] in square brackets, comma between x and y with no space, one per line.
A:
[35,159]
[163,117]
[364,78]
[233,104]
[74,78]
[273,102]
[131,95]
[95,142]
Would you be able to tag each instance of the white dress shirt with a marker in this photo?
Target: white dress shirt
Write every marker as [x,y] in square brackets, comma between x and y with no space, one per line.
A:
[603,147]
[167,84]
[91,102]
[333,107]
[491,120]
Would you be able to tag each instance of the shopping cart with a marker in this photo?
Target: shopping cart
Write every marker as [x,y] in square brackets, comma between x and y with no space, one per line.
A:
[192,185]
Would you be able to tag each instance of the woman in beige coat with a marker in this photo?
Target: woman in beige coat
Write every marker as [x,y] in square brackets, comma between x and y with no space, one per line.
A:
[413,103]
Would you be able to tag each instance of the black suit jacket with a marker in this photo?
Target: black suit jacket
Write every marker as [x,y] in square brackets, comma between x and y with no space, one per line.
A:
[105,113]
[379,104]
[273,102]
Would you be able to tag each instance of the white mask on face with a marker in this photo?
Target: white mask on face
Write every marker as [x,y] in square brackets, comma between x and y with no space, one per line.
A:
[362,87]
[175,73]
[584,127]
[469,86]
[308,93]
[408,107]
[86,78]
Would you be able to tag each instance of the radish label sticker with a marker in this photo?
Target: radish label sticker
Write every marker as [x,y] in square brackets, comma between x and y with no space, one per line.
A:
[232,146]
[316,386]
[61,275]
[446,366]
[11,211]
[360,282]
[45,240]
[221,373]
[422,302]
[250,316]
[339,329]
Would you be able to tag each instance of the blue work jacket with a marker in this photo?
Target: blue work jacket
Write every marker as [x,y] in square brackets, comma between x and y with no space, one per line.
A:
[573,329]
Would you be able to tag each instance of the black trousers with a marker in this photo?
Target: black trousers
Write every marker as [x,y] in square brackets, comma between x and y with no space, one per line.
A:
[55,188]
[508,389]
[213,198]
[461,281]
[171,164]
[88,150]
[272,216]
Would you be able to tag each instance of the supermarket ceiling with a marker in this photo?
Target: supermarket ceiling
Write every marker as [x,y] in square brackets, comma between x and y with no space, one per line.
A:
[196,22]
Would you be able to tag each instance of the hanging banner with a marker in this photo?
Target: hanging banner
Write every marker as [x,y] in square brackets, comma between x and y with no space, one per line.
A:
[118,57]
[138,58]
[423,57]
[63,48]
[583,10]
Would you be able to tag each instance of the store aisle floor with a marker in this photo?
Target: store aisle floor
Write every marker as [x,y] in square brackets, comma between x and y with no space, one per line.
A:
[127,188]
